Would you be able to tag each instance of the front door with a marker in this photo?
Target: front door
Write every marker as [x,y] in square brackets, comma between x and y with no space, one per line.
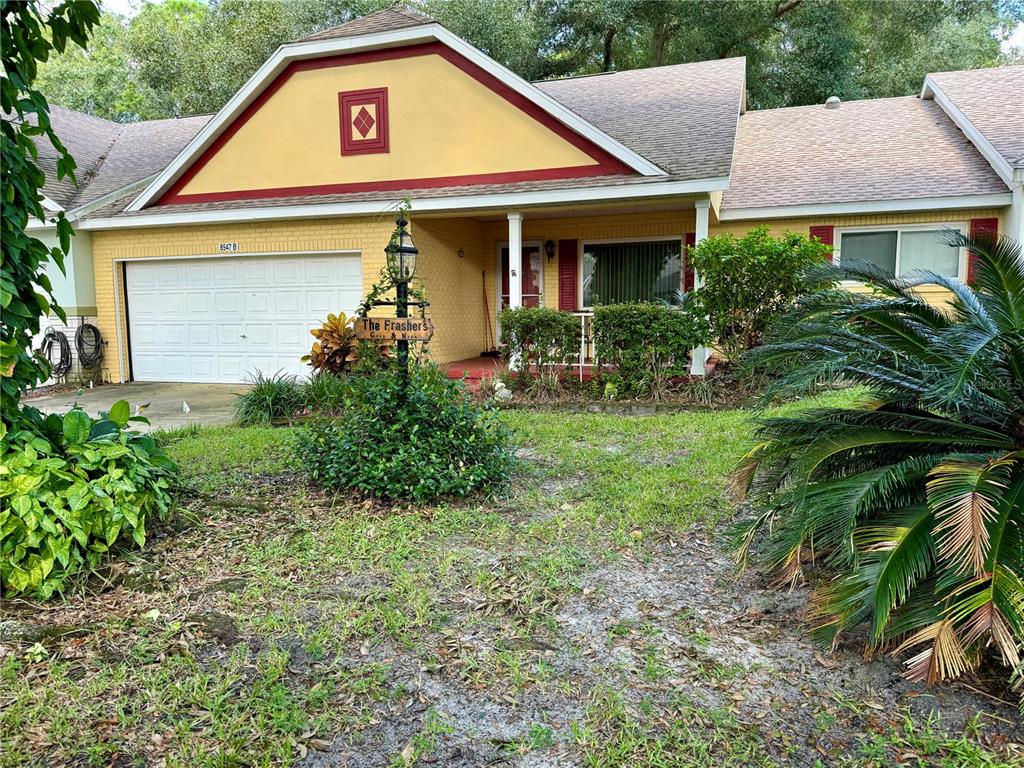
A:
[533,269]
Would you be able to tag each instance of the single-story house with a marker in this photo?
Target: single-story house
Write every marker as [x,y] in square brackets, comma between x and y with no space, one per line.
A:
[208,247]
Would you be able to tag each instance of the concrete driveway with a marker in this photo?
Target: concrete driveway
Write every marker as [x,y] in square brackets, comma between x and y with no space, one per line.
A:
[208,403]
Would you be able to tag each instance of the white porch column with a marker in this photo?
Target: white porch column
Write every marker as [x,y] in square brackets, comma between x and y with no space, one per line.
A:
[699,355]
[515,260]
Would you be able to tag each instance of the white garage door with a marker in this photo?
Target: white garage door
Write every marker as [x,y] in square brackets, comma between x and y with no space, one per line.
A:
[220,319]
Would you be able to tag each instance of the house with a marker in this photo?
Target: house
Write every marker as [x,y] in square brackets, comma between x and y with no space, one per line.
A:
[216,244]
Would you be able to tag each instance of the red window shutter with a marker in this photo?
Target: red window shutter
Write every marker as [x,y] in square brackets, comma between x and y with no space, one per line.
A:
[691,240]
[826,235]
[980,228]
[568,256]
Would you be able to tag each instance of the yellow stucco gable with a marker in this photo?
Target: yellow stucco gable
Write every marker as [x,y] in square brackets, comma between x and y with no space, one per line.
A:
[440,121]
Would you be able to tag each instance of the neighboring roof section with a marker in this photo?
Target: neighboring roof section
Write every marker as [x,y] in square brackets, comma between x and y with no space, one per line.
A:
[87,138]
[681,117]
[109,156]
[991,100]
[141,150]
[861,152]
[387,20]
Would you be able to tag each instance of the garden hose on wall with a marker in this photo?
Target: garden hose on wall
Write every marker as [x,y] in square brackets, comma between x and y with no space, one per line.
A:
[54,339]
[89,344]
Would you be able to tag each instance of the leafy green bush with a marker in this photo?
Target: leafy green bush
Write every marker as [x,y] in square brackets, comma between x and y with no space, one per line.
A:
[540,336]
[748,281]
[916,497]
[435,443]
[71,489]
[278,396]
[649,344]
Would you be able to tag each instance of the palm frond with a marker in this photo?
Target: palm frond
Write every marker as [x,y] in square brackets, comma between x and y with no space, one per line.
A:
[963,493]
[943,658]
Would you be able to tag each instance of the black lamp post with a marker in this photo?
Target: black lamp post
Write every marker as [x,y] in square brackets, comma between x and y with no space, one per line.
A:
[401,256]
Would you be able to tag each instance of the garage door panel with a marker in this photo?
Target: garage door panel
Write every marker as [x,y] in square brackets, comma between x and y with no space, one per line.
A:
[221,319]
[200,304]
[228,303]
[257,303]
[288,272]
[201,336]
[174,335]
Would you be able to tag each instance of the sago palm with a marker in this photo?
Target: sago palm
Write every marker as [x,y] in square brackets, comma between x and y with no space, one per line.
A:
[914,498]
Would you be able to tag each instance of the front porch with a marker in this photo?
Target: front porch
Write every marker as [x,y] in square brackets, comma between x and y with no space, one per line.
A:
[473,266]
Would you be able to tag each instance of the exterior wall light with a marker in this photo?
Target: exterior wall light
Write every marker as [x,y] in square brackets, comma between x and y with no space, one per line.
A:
[549,249]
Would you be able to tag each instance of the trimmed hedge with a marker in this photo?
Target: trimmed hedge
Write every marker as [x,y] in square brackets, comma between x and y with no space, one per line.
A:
[649,344]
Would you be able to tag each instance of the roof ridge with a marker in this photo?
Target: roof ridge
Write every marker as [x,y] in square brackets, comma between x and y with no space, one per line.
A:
[636,69]
[974,69]
[398,8]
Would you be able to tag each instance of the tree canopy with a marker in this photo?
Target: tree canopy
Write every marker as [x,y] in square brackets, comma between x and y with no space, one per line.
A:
[186,57]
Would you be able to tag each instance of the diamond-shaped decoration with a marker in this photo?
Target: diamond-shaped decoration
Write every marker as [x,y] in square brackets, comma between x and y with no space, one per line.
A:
[363,122]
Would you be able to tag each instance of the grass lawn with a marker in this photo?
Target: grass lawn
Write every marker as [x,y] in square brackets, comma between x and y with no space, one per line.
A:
[587,617]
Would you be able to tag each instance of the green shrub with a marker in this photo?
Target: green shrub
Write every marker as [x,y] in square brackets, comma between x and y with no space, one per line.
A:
[270,397]
[325,393]
[540,336]
[72,489]
[748,281]
[914,498]
[437,443]
[649,344]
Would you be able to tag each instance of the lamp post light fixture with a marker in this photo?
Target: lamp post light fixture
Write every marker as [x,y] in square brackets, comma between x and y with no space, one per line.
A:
[401,253]
[401,256]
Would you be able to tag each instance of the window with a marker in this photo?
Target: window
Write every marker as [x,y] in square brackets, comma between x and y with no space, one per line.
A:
[615,273]
[902,251]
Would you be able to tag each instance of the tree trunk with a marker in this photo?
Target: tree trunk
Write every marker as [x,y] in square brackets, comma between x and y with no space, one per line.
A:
[658,42]
[606,62]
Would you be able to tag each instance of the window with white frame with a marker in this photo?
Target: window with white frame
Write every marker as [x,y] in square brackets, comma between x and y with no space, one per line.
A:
[616,273]
[903,250]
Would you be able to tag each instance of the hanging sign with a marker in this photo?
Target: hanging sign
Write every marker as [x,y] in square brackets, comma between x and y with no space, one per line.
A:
[394,328]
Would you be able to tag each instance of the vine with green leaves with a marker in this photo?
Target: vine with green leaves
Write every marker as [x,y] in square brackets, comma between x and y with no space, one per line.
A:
[29,33]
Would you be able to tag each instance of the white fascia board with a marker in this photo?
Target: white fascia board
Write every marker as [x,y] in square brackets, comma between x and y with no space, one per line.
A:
[997,200]
[99,202]
[35,225]
[289,52]
[455,204]
[50,205]
[999,163]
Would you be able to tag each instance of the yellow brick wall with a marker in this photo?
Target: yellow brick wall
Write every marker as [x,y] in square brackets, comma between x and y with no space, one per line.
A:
[803,225]
[367,235]
[454,285]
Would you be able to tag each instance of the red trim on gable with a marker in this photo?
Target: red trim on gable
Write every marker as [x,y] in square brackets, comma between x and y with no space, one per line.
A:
[606,163]
[351,145]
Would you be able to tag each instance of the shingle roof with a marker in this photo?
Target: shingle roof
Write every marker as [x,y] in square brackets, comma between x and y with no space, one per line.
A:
[879,149]
[141,150]
[389,19]
[109,155]
[993,100]
[680,117]
[87,138]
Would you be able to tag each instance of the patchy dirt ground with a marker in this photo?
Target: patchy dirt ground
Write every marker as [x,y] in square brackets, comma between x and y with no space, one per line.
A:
[581,620]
